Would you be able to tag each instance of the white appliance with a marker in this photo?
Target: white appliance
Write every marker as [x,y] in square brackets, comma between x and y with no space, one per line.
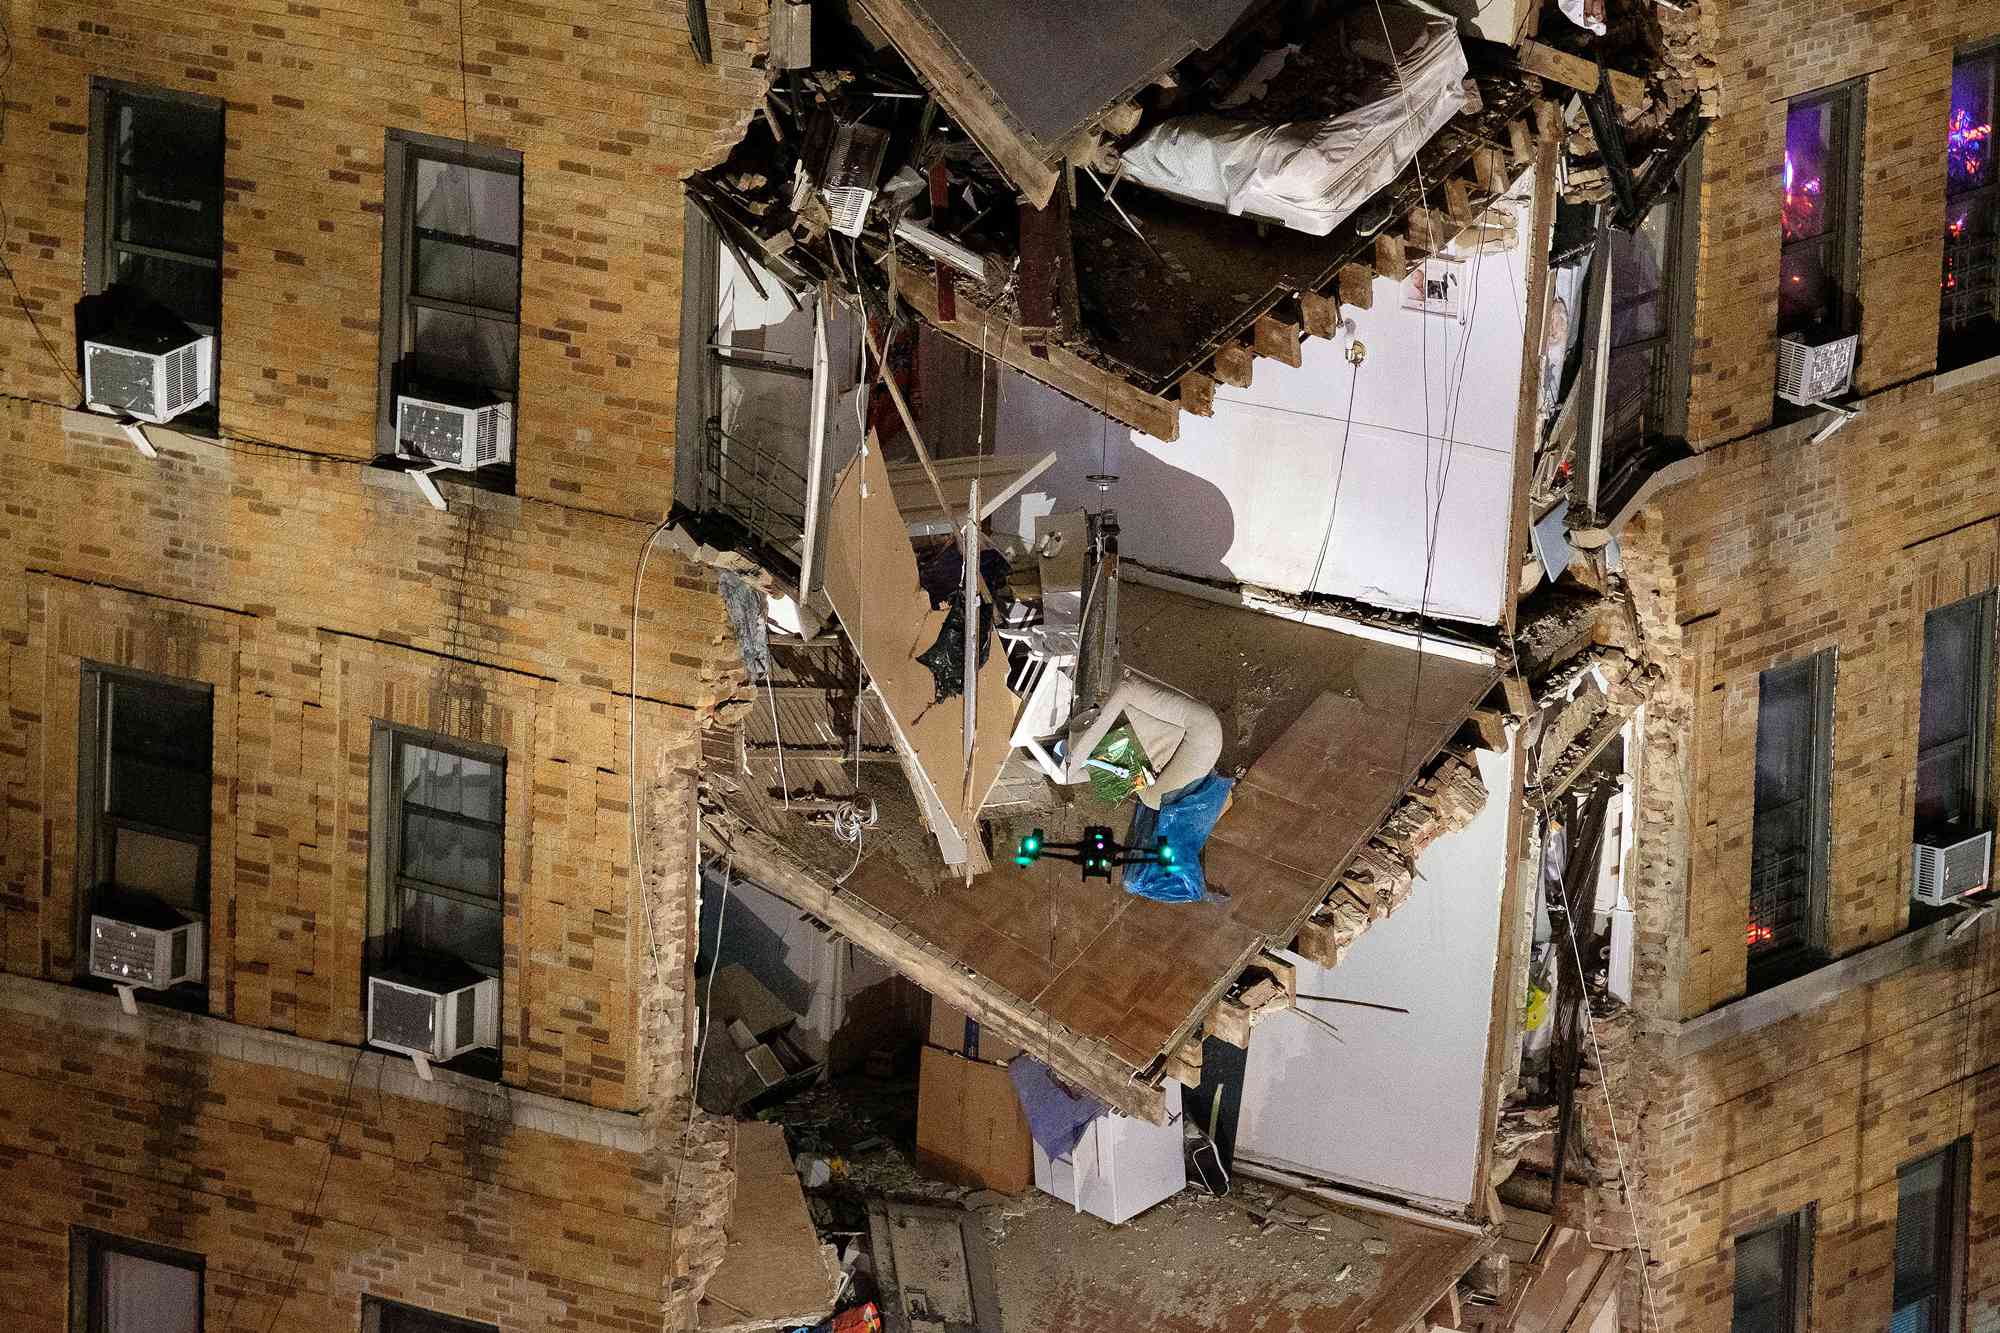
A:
[430,1017]
[1121,1166]
[152,952]
[1944,872]
[1811,373]
[459,435]
[153,377]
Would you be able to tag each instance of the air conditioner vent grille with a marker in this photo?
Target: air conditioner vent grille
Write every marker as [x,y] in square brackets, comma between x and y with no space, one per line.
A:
[124,952]
[402,1016]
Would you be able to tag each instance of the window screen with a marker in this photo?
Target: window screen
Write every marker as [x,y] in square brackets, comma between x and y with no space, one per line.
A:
[451,279]
[1969,287]
[120,1286]
[1770,1267]
[1787,857]
[1928,1205]
[1952,723]
[1817,211]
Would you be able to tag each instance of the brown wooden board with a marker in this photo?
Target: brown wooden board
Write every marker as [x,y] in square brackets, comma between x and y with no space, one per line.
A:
[871,579]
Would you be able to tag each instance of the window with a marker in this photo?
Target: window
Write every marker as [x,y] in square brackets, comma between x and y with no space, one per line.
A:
[1788,839]
[1931,1198]
[144,751]
[153,228]
[1953,723]
[1819,173]
[124,1286]
[451,276]
[380,1316]
[1772,1270]
[437,855]
[1969,289]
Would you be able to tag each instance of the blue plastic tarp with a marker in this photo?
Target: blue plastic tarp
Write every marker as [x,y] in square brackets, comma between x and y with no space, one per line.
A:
[1183,822]
[1056,1116]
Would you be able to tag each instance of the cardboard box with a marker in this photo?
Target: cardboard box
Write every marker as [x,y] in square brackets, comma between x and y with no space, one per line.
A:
[954,1030]
[970,1128]
[1121,1167]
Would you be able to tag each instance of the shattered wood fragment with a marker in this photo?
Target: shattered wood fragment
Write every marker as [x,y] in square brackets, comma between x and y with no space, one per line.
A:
[1520,141]
[1232,365]
[1321,314]
[1231,1022]
[1458,200]
[1184,1065]
[1489,168]
[1049,310]
[1578,73]
[1357,287]
[1428,230]
[1390,261]
[1490,726]
[1197,394]
[1277,339]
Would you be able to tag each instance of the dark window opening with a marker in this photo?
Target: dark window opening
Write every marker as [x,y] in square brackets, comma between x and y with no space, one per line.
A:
[451,303]
[1819,176]
[1789,834]
[127,1286]
[380,1316]
[1954,727]
[1772,1268]
[1969,287]
[153,249]
[145,748]
[1930,1242]
[435,897]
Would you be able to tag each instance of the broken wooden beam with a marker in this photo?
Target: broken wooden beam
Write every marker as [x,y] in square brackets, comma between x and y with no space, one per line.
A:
[1390,259]
[1427,230]
[1357,287]
[1233,363]
[1489,168]
[1276,338]
[1049,308]
[1184,1065]
[1578,73]
[1320,314]
[1197,394]
[1520,140]
[1458,200]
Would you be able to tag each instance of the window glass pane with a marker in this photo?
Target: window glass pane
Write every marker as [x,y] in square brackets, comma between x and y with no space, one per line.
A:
[468,201]
[191,291]
[1809,169]
[1639,279]
[1920,1189]
[1951,659]
[434,923]
[1789,726]
[448,271]
[159,756]
[1764,1282]
[143,1296]
[444,780]
[1969,126]
[466,349]
[1971,278]
[1806,291]
[168,168]
[167,868]
[444,851]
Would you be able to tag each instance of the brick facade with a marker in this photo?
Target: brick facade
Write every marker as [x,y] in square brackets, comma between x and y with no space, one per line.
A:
[318,595]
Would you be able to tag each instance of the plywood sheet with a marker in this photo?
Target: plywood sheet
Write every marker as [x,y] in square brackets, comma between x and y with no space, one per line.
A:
[774,1270]
[871,579]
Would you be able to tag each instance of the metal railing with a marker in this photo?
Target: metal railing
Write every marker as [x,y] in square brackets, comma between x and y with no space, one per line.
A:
[756,487]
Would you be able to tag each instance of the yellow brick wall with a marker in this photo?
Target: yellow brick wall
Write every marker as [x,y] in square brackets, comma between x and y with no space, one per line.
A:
[1774,50]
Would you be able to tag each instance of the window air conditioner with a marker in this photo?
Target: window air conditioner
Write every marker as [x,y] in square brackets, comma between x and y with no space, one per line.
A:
[448,429]
[145,944]
[152,376]
[433,1016]
[1945,872]
[1811,373]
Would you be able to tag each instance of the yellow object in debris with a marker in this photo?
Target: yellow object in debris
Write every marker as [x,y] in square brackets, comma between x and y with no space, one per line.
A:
[1536,1011]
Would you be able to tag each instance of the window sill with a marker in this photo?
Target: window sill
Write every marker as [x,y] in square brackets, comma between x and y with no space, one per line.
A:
[1820,986]
[1972,373]
[496,479]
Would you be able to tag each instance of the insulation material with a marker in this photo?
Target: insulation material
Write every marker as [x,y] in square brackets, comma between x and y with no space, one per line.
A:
[871,579]
[1311,175]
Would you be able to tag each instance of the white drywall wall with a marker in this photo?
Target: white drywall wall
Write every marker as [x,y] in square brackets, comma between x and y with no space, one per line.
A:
[1394,1105]
[1247,494]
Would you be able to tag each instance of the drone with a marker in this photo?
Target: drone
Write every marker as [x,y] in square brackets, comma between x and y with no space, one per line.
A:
[1096,852]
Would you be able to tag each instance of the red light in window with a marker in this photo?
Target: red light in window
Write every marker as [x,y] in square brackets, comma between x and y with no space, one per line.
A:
[1965,145]
[1801,208]
[1759,934]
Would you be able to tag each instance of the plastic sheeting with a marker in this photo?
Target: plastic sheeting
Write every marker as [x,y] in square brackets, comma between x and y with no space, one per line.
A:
[1311,175]
[1183,823]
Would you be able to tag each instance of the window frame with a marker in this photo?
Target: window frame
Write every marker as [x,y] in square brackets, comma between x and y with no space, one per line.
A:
[1978,738]
[1843,232]
[101,246]
[1971,344]
[1798,1227]
[1788,959]
[95,822]
[373,1308]
[402,150]
[1953,1233]
[87,1246]
[387,884]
